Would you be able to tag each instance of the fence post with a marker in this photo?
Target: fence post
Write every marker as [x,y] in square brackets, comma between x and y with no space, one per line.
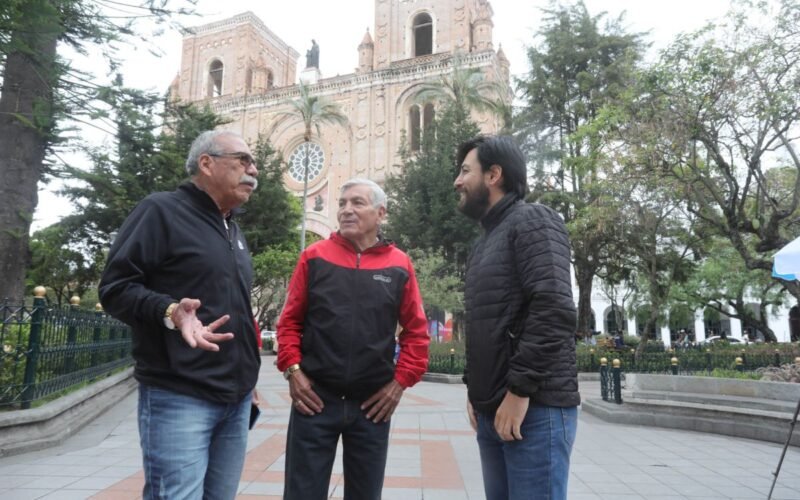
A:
[591,359]
[744,357]
[777,357]
[604,378]
[72,333]
[633,360]
[37,318]
[452,360]
[674,362]
[97,332]
[617,373]
[709,367]
[739,364]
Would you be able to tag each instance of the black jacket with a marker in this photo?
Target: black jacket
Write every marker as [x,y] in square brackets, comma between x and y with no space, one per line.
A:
[520,317]
[176,245]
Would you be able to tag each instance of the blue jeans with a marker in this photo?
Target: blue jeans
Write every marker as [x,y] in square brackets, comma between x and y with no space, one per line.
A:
[534,468]
[191,448]
[311,449]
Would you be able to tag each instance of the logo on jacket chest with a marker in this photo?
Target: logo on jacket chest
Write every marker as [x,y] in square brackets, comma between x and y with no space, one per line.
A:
[380,277]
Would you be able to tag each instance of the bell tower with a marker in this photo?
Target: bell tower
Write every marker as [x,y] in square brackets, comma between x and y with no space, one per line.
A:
[407,29]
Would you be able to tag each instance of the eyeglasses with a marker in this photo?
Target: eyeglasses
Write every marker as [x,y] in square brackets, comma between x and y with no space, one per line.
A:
[244,158]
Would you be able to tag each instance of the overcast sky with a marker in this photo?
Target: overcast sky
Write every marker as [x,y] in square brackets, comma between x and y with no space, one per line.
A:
[338,27]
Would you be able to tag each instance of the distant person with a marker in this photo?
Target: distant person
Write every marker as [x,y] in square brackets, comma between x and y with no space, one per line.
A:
[520,323]
[337,335]
[179,270]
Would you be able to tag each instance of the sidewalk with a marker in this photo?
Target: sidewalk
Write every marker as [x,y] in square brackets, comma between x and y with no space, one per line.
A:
[432,455]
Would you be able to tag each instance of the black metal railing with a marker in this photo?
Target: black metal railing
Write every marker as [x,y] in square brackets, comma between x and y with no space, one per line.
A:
[48,350]
[611,381]
[451,363]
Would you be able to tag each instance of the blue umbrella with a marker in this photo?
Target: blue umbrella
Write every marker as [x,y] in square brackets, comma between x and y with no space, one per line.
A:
[786,263]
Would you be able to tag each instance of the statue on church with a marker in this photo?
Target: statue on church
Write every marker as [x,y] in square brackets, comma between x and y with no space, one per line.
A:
[312,55]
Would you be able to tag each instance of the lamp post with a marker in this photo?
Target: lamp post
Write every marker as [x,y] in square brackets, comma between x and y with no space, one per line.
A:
[305,195]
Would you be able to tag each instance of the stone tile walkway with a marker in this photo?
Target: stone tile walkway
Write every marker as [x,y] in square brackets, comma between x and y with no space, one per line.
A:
[432,455]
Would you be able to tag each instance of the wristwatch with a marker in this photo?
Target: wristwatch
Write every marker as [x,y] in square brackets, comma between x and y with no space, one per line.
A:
[290,371]
[168,316]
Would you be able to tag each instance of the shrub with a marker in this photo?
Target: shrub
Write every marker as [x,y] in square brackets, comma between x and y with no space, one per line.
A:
[783,373]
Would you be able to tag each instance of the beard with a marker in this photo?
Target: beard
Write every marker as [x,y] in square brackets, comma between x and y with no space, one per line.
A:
[475,204]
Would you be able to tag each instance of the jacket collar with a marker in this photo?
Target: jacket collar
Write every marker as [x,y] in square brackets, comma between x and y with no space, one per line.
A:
[499,211]
[202,199]
[381,245]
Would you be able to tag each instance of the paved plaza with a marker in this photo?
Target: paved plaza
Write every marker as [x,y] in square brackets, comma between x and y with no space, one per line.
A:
[432,455]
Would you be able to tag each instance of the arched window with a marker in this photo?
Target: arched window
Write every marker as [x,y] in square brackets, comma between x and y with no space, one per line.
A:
[270,80]
[614,320]
[423,35]
[428,115]
[414,131]
[248,81]
[215,70]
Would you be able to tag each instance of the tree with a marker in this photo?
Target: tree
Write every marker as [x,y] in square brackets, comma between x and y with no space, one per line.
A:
[423,210]
[577,70]
[272,270]
[271,215]
[439,286]
[311,111]
[59,262]
[39,91]
[719,110]
[468,88]
[144,161]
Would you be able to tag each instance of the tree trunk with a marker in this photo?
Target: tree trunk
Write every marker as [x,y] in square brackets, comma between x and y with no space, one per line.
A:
[584,278]
[26,122]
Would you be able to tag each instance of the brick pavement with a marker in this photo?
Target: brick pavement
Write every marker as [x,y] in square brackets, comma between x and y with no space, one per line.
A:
[432,455]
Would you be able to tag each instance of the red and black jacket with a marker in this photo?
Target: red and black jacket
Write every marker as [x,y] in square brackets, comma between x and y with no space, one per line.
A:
[341,315]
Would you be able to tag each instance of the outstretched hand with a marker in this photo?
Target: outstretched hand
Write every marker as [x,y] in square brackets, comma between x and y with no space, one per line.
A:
[193,331]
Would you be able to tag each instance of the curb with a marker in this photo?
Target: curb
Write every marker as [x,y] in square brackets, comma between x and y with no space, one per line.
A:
[22,431]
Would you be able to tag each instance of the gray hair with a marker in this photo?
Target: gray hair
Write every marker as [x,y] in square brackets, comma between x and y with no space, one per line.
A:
[205,143]
[377,196]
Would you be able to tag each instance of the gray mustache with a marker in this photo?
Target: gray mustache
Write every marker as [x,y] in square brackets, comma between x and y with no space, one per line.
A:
[249,179]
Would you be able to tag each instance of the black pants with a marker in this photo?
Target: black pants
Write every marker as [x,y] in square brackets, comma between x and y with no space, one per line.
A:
[311,449]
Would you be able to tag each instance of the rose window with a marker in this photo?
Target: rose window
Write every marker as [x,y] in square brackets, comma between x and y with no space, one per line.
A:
[316,161]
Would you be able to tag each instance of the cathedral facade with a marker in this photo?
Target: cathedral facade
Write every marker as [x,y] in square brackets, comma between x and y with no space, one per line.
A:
[246,73]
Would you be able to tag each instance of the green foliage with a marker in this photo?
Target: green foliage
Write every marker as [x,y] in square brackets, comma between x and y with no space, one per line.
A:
[144,161]
[60,262]
[440,287]
[577,70]
[423,210]
[271,215]
[272,268]
[469,89]
[715,114]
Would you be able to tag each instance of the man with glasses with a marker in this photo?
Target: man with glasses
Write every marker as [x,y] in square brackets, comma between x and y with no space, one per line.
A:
[179,271]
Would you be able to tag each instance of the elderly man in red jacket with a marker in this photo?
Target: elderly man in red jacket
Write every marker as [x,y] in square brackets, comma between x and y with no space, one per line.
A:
[337,335]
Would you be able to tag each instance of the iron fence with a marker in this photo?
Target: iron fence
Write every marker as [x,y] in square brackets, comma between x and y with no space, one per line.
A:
[47,350]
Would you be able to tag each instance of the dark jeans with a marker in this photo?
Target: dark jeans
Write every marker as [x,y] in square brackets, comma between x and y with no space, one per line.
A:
[534,468]
[311,449]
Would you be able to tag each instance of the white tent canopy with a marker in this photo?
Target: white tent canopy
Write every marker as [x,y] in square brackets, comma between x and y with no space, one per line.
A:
[786,264]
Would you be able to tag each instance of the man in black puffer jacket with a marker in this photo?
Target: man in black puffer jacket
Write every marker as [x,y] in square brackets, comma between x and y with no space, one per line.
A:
[520,327]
